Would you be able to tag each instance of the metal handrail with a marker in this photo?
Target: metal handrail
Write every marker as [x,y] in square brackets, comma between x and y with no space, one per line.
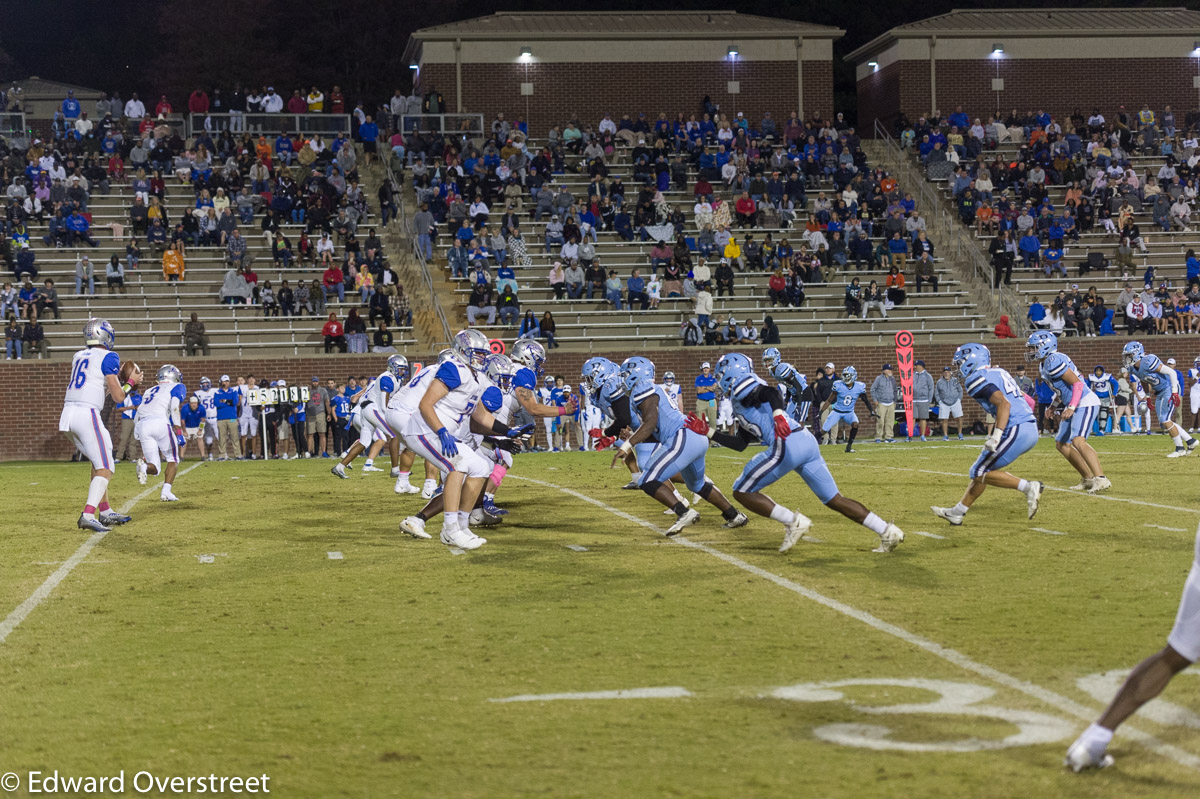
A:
[468,124]
[426,276]
[284,122]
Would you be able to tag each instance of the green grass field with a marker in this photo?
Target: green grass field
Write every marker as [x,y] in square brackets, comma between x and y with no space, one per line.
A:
[373,675]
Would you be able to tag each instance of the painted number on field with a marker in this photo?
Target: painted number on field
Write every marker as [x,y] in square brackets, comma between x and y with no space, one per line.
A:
[954,699]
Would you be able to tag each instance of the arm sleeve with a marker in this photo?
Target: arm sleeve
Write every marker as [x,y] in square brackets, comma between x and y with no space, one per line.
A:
[764,394]
[448,374]
[111,364]
[984,391]
[737,441]
[621,416]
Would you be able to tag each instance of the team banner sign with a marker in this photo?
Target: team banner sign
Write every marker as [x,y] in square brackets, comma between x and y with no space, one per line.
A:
[904,366]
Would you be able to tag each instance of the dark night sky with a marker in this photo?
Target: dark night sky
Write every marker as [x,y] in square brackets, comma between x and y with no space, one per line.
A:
[171,45]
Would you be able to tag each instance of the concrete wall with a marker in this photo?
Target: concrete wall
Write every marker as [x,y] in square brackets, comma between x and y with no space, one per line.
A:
[30,392]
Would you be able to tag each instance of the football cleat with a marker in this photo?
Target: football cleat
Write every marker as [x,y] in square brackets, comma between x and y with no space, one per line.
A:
[395,471]
[948,514]
[110,518]
[1032,495]
[489,507]
[371,469]
[1192,444]
[1100,484]
[482,518]
[463,539]
[1085,484]
[794,532]
[737,521]
[92,524]
[690,516]
[630,486]
[339,470]
[1180,452]
[167,496]
[892,537]
[1079,757]
[428,488]
[405,487]
[141,471]
[414,526]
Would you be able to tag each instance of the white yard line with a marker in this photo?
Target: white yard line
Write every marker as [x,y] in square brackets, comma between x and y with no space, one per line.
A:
[1051,698]
[1169,529]
[44,590]
[1047,532]
[928,534]
[665,692]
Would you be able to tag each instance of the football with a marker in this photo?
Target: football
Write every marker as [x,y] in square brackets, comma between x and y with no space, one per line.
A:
[130,374]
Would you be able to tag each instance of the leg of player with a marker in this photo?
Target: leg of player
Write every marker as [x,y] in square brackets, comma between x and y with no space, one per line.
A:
[1184,443]
[169,472]
[339,468]
[431,480]
[403,486]
[372,454]
[1089,457]
[1076,459]
[890,536]
[853,435]
[795,524]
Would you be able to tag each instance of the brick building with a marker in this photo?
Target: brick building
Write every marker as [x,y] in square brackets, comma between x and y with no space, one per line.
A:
[992,61]
[547,66]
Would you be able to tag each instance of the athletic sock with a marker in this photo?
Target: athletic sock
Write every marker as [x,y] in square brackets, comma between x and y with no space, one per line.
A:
[103,506]
[729,514]
[853,435]
[1095,732]
[635,476]
[488,497]
[680,509]
[1023,486]
[679,498]
[404,476]
[95,494]
[166,488]
[960,509]
[450,521]
[782,514]
[1178,441]
[874,524]
[369,462]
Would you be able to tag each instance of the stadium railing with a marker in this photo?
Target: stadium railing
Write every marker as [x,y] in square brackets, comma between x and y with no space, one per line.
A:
[419,257]
[443,123]
[328,124]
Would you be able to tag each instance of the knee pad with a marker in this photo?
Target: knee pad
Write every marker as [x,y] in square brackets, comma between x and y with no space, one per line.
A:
[651,487]
[498,474]
[706,489]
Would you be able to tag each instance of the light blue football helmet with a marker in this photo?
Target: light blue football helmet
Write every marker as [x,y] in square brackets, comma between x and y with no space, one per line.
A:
[732,369]
[634,368]
[1133,352]
[1041,345]
[970,358]
[594,372]
[849,375]
[771,358]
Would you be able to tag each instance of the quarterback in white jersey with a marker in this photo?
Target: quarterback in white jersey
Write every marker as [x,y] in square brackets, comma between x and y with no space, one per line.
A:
[159,429]
[94,373]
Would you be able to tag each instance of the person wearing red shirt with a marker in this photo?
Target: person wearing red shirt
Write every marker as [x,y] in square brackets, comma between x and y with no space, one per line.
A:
[297,104]
[163,106]
[198,102]
[703,188]
[746,211]
[334,333]
[778,289]
[334,282]
[337,103]
[1003,329]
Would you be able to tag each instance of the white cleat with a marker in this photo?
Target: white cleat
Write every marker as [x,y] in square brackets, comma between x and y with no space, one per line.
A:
[428,489]
[463,539]
[414,526]
[1079,757]
[141,471]
[167,496]
[1085,484]
[737,521]
[690,516]
[405,487]
[1100,484]
[794,532]
[339,470]
[892,537]
[948,514]
[1032,495]
[1179,453]
[371,469]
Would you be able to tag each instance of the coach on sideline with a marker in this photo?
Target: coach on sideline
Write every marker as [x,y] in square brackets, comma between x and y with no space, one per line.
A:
[883,394]
[706,398]
[229,443]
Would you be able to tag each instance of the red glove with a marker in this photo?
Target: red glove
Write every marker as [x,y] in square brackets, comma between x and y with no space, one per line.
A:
[604,442]
[697,424]
[596,432]
[783,427]
[1176,400]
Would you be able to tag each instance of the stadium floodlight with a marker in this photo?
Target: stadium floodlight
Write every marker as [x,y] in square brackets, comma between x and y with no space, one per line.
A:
[732,52]
[413,66]
[526,53]
[1196,47]
[873,64]
[997,48]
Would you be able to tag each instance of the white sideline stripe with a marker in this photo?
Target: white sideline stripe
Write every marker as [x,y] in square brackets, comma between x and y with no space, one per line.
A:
[928,534]
[576,548]
[666,692]
[1055,700]
[1047,532]
[44,590]
[335,555]
[1169,529]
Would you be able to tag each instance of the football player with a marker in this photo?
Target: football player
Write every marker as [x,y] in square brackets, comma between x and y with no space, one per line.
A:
[1080,406]
[374,430]
[160,430]
[680,451]
[208,401]
[1164,382]
[1015,434]
[792,384]
[760,417]
[841,402]
[95,372]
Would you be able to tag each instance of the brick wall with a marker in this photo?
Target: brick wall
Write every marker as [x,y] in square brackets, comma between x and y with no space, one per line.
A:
[1056,85]
[30,392]
[588,90]
[879,98]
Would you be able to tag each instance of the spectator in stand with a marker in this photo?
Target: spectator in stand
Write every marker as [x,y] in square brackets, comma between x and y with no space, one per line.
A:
[368,133]
[114,273]
[1052,259]
[1003,329]
[509,306]
[13,339]
[198,102]
[529,326]
[895,281]
[85,273]
[194,336]
[1030,248]
[334,333]
[333,282]
[575,278]
[636,286]
[356,332]
[172,264]
[383,340]
[925,272]
[481,302]
[612,290]
[34,339]
[48,298]
[548,330]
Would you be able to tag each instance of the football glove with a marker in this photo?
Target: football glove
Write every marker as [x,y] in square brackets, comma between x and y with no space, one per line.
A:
[180,438]
[604,442]
[449,445]
[518,432]
[512,445]
[993,440]
[783,427]
[1176,400]
[697,424]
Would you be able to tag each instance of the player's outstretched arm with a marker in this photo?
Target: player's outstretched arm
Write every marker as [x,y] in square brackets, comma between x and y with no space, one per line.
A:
[622,418]
[530,405]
